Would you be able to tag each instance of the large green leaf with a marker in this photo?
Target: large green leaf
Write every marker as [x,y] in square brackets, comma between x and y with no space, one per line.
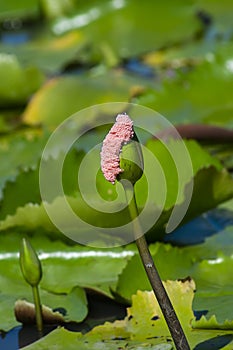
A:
[212,323]
[73,304]
[64,273]
[24,187]
[71,341]
[61,97]
[220,242]
[19,155]
[19,152]
[87,21]
[180,99]
[212,185]
[104,265]
[18,9]
[17,83]
[47,52]
[143,325]
[178,265]
[171,156]
[87,40]
[214,287]
[121,17]
[210,269]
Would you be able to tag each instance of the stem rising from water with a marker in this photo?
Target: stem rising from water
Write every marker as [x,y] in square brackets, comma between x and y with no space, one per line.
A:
[161,295]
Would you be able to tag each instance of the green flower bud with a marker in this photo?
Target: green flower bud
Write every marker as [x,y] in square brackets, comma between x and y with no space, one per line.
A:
[131,161]
[29,263]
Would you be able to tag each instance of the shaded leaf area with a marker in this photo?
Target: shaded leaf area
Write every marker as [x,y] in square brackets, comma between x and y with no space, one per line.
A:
[143,325]
[64,275]
[205,225]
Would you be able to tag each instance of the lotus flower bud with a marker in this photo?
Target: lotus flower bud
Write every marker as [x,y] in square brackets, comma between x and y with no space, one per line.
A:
[121,154]
[30,264]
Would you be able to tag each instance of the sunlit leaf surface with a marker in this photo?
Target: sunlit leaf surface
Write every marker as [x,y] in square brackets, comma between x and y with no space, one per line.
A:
[145,325]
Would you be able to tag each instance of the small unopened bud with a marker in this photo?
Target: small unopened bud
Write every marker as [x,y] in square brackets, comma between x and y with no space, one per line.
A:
[131,161]
[121,154]
[29,263]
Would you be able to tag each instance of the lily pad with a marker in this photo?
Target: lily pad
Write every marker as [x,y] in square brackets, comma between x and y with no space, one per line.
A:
[141,328]
[210,269]
[61,97]
[178,265]
[212,323]
[122,16]
[18,83]
[180,100]
[18,9]
[214,288]
[19,152]
[64,274]
[71,341]
[73,304]
[27,210]
[48,53]
[24,188]
[82,28]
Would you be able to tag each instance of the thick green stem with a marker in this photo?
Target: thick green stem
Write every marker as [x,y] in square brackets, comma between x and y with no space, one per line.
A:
[168,311]
[38,309]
